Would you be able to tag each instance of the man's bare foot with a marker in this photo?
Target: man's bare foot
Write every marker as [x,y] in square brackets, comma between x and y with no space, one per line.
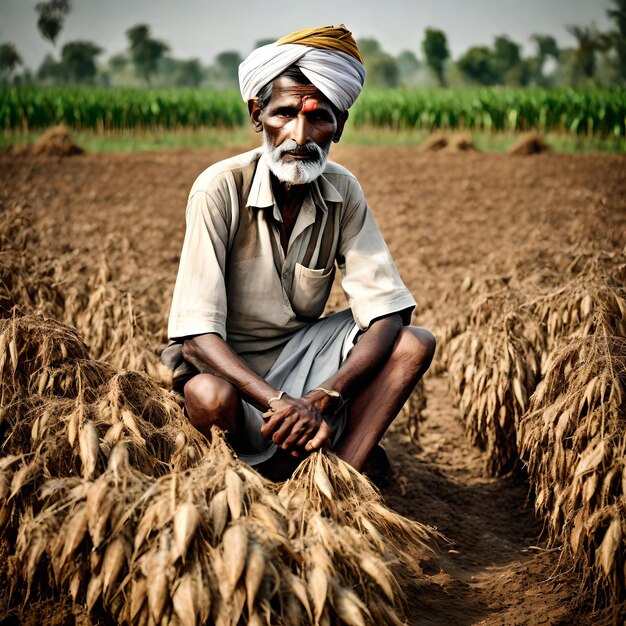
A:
[378,468]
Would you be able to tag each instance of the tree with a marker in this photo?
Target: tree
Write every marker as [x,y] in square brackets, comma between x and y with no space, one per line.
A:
[118,62]
[506,56]
[546,47]
[9,59]
[189,73]
[79,61]
[51,17]
[408,65]
[381,67]
[435,48]
[478,65]
[51,71]
[369,47]
[618,37]
[382,71]
[145,51]
[227,66]
[589,42]
[263,42]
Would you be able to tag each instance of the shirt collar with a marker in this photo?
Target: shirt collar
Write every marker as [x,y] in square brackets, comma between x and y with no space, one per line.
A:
[261,195]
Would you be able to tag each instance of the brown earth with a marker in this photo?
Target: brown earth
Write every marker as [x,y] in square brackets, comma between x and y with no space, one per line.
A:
[448,218]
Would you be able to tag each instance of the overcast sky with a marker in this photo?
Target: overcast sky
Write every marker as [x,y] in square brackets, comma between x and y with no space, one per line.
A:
[204,28]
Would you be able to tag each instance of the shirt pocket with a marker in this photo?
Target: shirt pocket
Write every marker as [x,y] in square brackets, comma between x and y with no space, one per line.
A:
[310,290]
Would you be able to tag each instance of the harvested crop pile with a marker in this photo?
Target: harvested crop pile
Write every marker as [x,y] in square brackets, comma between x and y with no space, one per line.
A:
[55,142]
[437,141]
[539,372]
[498,350]
[461,142]
[529,143]
[494,369]
[574,442]
[110,496]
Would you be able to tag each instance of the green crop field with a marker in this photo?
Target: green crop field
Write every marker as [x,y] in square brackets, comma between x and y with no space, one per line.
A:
[117,109]
[597,112]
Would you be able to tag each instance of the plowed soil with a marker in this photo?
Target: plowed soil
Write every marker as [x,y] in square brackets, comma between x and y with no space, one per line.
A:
[446,217]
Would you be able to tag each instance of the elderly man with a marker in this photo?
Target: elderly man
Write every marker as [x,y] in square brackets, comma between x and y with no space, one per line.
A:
[265,232]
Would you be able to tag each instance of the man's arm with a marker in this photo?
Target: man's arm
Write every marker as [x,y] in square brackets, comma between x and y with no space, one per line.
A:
[365,359]
[210,353]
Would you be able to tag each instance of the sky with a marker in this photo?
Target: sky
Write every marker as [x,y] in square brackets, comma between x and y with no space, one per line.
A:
[204,28]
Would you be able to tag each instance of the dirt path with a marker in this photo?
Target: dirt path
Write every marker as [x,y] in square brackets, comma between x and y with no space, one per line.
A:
[445,217]
[495,569]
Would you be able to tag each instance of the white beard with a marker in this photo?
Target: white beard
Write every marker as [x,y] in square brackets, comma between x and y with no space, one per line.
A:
[295,172]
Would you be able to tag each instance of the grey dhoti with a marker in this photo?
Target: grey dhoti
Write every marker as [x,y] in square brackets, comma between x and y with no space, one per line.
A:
[309,358]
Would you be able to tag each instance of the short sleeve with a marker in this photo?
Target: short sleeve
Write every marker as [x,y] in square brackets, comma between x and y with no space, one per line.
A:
[199,301]
[370,278]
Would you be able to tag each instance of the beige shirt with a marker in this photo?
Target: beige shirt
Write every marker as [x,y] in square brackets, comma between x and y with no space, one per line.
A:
[235,280]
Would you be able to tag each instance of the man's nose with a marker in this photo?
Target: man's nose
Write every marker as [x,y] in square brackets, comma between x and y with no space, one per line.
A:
[300,131]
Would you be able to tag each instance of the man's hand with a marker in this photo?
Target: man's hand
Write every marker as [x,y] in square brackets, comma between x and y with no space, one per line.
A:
[297,424]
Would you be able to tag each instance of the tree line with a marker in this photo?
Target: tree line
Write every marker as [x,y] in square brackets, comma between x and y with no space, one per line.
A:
[598,58]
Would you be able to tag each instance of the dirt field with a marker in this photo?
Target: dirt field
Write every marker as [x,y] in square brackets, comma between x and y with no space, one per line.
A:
[446,217]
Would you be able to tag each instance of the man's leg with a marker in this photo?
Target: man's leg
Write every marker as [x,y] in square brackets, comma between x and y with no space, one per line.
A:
[373,409]
[211,400]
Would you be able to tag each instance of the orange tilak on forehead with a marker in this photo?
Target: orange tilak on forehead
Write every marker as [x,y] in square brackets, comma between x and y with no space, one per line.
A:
[309,103]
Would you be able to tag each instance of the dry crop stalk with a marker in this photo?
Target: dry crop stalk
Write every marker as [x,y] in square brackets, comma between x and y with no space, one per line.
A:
[413,411]
[493,371]
[25,283]
[340,520]
[574,443]
[593,299]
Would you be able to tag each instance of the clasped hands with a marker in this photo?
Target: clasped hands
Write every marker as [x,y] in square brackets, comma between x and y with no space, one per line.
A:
[297,425]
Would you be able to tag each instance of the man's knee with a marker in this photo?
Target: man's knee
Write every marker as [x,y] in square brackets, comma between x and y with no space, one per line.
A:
[415,347]
[210,399]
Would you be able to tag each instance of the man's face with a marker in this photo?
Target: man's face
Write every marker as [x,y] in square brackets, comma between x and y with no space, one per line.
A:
[298,127]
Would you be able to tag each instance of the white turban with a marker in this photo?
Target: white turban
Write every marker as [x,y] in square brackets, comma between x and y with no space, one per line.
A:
[338,75]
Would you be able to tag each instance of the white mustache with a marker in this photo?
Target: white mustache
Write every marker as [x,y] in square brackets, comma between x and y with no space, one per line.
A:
[291,146]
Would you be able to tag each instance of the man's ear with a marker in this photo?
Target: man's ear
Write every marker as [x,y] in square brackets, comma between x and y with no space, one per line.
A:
[254,108]
[341,122]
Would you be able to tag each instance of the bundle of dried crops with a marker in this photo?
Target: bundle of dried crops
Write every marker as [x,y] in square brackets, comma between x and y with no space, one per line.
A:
[165,549]
[413,411]
[529,143]
[522,314]
[574,442]
[493,358]
[433,143]
[24,281]
[108,494]
[494,370]
[461,142]
[104,315]
[40,354]
[477,299]
[594,298]
[55,142]
[91,301]
[346,535]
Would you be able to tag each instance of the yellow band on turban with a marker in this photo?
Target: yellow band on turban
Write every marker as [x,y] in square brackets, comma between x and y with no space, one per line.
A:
[325,38]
